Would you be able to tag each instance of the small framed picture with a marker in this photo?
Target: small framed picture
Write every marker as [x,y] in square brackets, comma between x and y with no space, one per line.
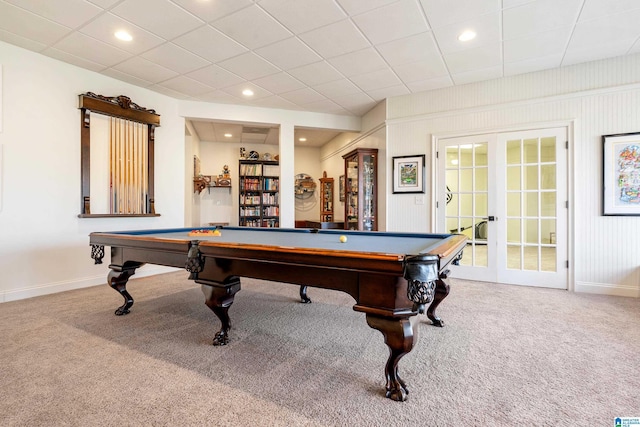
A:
[621,174]
[408,174]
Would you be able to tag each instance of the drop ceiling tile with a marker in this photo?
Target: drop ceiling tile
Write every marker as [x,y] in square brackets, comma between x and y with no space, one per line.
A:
[542,44]
[104,27]
[392,22]
[167,20]
[276,102]
[539,16]
[279,83]
[175,58]
[93,50]
[487,27]
[185,85]
[215,77]
[430,84]
[210,44]
[474,59]
[111,72]
[20,41]
[70,13]
[236,90]
[576,55]
[477,75]
[249,66]
[355,7]
[441,13]
[211,10]
[607,29]
[219,97]
[28,25]
[252,27]
[598,8]
[358,62]
[105,4]
[315,74]
[335,39]
[421,70]
[288,53]
[357,103]
[144,69]
[419,47]
[169,92]
[72,59]
[388,92]
[324,106]
[301,16]
[376,80]
[337,88]
[530,65]
[302,96]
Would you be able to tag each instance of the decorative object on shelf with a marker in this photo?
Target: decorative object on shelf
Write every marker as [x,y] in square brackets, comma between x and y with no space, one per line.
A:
[243,153]
[266,156]
[225,171]
[621,174]
[408,174]
[361,189]
[304,186]
[253,155]
[326,198]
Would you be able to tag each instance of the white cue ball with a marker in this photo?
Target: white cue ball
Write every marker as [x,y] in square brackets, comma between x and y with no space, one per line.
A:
[343,239]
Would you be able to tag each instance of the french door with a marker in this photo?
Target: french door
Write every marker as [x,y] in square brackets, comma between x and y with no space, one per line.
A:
[507,193]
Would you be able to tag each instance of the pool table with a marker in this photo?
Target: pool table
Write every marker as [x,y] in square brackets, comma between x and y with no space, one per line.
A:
[391,276]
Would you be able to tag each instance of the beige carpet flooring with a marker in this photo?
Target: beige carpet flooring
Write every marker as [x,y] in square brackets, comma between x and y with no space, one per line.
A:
[508,356]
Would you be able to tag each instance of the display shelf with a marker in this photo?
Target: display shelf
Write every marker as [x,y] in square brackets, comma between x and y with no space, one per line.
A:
[361,200]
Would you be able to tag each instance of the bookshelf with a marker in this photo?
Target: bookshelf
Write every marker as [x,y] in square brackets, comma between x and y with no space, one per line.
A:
[259,204]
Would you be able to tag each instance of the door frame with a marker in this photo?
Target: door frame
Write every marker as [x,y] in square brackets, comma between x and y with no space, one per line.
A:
[572,136]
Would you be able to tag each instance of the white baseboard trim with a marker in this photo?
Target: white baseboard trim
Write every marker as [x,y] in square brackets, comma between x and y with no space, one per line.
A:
[53,288]
[608,289]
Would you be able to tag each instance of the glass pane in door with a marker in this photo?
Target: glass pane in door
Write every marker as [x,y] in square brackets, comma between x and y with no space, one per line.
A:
[531,204]
[467,198]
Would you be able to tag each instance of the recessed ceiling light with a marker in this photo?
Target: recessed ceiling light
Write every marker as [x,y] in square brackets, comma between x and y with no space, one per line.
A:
[467,35]
[302,139]
[247,92]
[123,35]
[228,135]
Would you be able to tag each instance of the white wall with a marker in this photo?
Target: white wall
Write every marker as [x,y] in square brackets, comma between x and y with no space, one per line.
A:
[595,99]
[44,246]
[307,161]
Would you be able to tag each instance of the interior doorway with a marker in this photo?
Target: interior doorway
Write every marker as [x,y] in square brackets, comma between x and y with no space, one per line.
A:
[507,192]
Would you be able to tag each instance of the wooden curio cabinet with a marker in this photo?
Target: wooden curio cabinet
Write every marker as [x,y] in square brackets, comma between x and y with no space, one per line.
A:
[361,199]
[326,198]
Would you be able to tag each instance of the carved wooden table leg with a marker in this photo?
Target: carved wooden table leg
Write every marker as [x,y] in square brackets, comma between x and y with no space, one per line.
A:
[118,279]
[219,299]
[303,295]
[441,292]
[399,337]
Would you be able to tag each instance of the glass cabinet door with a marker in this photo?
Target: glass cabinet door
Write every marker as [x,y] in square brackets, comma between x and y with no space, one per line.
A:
[361,189]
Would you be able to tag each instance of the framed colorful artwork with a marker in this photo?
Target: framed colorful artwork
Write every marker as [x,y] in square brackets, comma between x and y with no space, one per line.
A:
[408,174]
[621,174]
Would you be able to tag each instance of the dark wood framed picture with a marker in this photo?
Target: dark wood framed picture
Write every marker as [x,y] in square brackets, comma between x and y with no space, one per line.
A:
[408,174]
